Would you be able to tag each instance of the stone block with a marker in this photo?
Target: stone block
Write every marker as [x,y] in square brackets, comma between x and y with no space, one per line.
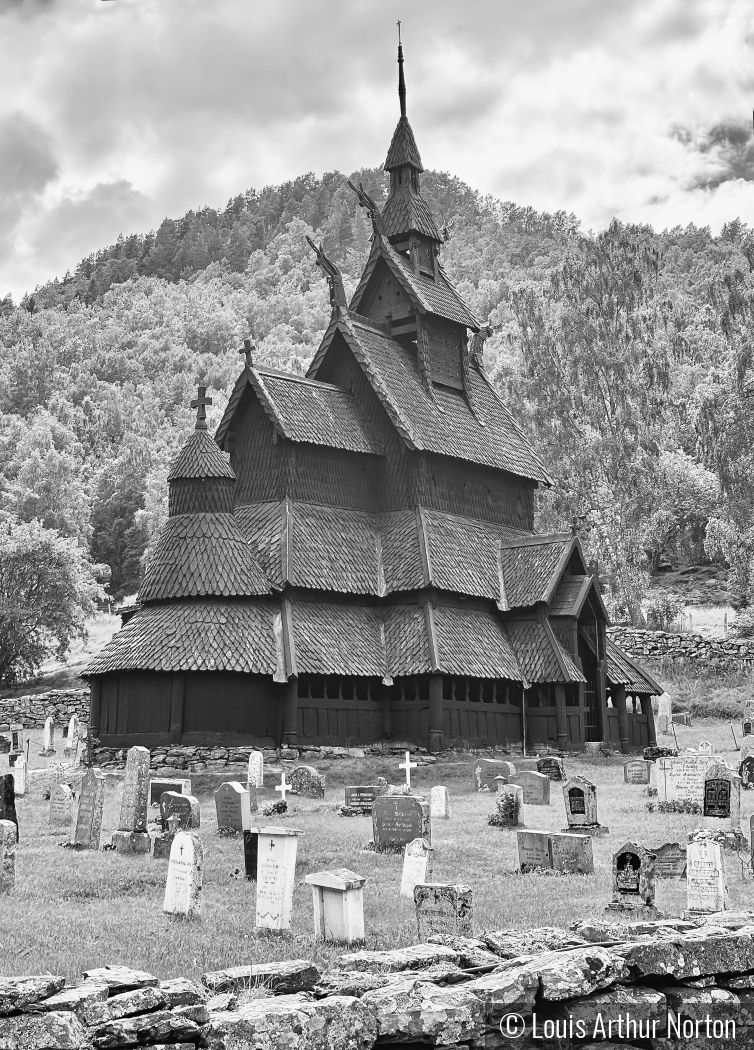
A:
[131,842]
[414,1011]
[121,978]
[139,1001]
[507,944]
[699,1003]
[413,957]
[17,993]
[180,991]
[295,1023]
[53,1031]
[295,975]
[581,971]
[507,991]
[160,1026]
[625,1001]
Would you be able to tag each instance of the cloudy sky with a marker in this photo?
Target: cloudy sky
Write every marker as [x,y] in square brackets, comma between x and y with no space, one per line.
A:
[116,113]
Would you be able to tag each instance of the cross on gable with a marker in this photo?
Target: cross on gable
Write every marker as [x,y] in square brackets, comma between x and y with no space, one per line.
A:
[408,765]
[282,787]
[247,350]
[200,403]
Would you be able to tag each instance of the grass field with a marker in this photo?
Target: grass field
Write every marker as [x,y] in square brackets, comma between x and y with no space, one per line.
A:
[72,910]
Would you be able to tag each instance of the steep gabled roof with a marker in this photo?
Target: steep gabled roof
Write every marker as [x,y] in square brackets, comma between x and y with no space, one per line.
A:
[443,424]
[305,410]
[532,567]
[623,670]
[541,656]
[571,594]
[403,148]
[403,212]
[201,457]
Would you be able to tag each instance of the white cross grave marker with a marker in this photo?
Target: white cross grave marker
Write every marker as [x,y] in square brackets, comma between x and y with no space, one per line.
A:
[408,765]
[282,787]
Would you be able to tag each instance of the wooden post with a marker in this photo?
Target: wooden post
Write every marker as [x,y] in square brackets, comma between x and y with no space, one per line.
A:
[95,706]
[619,701]
[435,713]
[290,713]
[386,694]
[646,709]
[523,721]
[561,716]
[176,708]
[602,700]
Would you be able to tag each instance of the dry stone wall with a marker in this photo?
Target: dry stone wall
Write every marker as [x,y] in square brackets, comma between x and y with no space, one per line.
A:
[33,709]
[728,654]
[657,985]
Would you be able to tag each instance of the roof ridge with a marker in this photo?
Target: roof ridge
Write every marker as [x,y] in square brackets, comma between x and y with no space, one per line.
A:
[291,377]
[536,541]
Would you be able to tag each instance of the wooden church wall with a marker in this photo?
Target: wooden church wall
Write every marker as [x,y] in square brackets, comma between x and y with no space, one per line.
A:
[447,350]
[472,491]
[332,477]
[257,457]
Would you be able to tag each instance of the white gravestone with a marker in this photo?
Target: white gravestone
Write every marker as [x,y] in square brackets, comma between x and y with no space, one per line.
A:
[636,771]
[408,765]
[48,737]
[681,779]
[183,890]
[7,856]
[283,787]
[61,806]
[255,773]
[338,903]
[417,866]
[276,869]
[509,802]
[439,803]
[705,748]
[705,875]
[233,806]
[72,739]
[19,775]
[536,787]
[665,713]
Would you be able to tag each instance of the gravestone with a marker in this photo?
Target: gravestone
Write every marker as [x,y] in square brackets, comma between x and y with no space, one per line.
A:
[407,765]
[72,737]
[509,807]
[275,877]
[18,769]
[746,772]
[665,713]
[283,787]
[439,803]
[250,853]
[417,866]
[399,819]
[486,769]
[17,737]
[443,909]
[89,816]
[233,806]
[580,797]
[533,851]
[683,719]
[338,904]
[722,798]
[670,861]
[8,839]
[633,880]
[61,806]
[706,891]
[636,771]
[162,784]
[361,796]
[185,807]
[554,768]
[681,779]
[132,836]
[48,737]
[162,842]
[705,748]
[307,782]
[255,771]
[183,889]
[536,787]
[746,727]
[572,853]
[8,800]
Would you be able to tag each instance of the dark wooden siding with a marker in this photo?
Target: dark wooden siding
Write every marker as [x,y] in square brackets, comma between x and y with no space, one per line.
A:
[475,492]
[257,457]
[445,350]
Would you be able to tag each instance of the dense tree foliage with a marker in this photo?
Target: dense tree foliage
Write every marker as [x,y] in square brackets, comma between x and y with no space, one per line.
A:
[625,355]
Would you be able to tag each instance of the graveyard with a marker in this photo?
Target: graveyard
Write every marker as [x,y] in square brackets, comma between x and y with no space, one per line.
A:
[73,909]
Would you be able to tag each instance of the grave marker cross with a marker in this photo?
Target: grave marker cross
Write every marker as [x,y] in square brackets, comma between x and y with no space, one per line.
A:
[408,765]
[282,787]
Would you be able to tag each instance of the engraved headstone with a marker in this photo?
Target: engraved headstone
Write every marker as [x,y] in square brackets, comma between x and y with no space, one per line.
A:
[443,909]
[509,806]
[255,771]
[746,727]
[338,903]
[486,769]
[417,866]
[722,798]
[18,769]
[572,853]
[89,816]
[158,785]
[361,796]
[439,803]
[665,713]
[183,889]
[399,819]
[681,779]
[184,807]
[48,737]
[706,891]
[580,797]
[307,782]
[670,860]
[251,853]
[72,737]
[275,877]
[636,771]
[536,787]
[533,851]
[705,748]
[7,856]
[633,879]
[8,800]
[233,806]
[554,768]
[61,806]
[132,836]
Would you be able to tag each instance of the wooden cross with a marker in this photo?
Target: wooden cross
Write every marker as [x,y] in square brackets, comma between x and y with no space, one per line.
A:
[408,765]
[282,787]
[200,403]
[246,350]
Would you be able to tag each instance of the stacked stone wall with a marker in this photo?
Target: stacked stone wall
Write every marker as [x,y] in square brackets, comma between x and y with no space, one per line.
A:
[666,647]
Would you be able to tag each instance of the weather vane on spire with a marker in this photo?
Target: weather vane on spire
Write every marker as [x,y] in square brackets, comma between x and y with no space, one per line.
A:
[401,79]
[200,403]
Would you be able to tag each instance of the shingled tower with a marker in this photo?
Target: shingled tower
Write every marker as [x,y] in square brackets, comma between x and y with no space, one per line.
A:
[365,568]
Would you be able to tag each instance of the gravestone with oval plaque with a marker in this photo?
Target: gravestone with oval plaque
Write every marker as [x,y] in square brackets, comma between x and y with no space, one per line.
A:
[580,796]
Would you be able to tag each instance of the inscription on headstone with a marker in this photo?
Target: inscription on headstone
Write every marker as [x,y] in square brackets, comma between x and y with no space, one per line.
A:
[89,816]
[131,836]
[636,771]
[307,782]
[417,866]
[233,807]
[533,851]
[722,798]
[183,890]
[443,909]
[681,779]
[439,803]
[61,806]
[670,861]
[633,878]
[159,785]
[665,713]
[361,796]
[184,807]
[580,797]
[536,787]
[399,819]
[705,875]
[572,853]
[275,877]
[553,768]
[255,771]
[486,769]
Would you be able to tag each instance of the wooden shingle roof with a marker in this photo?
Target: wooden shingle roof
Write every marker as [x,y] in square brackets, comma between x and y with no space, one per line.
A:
[541,656]
[403,148]
[623,670]
[532,568]
[201,457]
[403,212]
[571,594]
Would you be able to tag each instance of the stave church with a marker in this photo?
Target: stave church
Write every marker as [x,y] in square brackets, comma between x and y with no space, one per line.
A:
[352,558]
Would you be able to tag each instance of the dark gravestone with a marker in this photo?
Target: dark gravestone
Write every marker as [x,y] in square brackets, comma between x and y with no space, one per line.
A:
[250,853]
[361,797]
[552,768]
[576,800]
[747,727]
[184,807]
[485,771]
[670,861]
[159,786]
[717,798]
[8,800]
[399,819]
[746,772]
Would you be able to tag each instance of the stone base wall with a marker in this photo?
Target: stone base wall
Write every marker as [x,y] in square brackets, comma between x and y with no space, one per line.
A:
[722,653]
[658,985]
[33,710]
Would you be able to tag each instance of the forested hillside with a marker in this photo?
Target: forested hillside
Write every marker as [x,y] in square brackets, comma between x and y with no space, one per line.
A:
[626,356]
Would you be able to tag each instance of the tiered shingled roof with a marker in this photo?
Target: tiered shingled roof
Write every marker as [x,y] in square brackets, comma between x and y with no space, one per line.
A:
[542,657]
[201,457]
[532,567]
[622,670]
[403,148]
[571,594]
[408,211]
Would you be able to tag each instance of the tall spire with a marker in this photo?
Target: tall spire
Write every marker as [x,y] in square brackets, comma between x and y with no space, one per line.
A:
[401,78]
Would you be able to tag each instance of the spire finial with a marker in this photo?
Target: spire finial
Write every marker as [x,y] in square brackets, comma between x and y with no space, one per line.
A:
[401,78]
[247,350]
[200,403]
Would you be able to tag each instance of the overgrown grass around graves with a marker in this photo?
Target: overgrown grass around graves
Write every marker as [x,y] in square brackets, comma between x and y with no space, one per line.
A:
[73,910]
[708,694]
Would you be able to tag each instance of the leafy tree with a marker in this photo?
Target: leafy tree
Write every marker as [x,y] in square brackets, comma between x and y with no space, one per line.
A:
[48,587]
